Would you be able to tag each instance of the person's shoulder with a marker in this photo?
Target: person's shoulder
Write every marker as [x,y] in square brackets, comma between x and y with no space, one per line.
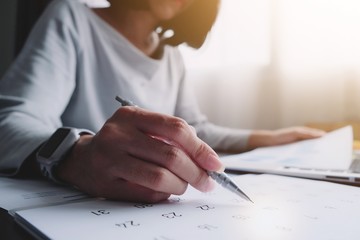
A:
[173,53]
[64,10]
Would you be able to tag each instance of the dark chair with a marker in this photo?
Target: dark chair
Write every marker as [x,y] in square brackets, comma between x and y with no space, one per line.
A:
[28,11]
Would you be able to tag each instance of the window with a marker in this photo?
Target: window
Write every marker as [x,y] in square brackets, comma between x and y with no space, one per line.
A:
[241,35]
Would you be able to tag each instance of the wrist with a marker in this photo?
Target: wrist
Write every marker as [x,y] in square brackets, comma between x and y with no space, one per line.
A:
[69,169]
[55,150]
[260,138]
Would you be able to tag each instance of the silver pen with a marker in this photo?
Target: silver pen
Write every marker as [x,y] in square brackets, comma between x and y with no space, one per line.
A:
[221,178]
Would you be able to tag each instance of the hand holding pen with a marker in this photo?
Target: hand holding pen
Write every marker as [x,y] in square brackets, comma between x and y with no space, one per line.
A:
[128,159]
[220,177]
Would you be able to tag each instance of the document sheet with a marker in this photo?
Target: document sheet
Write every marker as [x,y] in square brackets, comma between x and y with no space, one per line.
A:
[18,193]
[283,208]
[332,151]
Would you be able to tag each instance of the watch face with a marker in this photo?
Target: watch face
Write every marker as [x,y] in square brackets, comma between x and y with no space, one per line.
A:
[52,144]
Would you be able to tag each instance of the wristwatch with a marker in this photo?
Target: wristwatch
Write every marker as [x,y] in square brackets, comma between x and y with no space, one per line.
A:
[52,152]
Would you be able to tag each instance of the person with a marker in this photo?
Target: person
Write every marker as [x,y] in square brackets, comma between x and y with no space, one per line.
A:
[59,118]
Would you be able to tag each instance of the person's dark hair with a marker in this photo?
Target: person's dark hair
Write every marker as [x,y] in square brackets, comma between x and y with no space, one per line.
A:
[190,27]
[135,4]
[193,25]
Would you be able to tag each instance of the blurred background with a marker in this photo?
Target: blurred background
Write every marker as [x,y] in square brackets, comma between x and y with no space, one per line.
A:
[266,64]
[16,20]
[7,32]
[277,63]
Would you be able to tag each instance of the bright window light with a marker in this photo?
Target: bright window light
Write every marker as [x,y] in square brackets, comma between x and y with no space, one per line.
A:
[241,35]
[318,33]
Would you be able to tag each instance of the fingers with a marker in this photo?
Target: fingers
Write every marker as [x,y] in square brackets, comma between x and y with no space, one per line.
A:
[148,175]
[300,133]
[177,132]
[167,142]
[146,152]
[262,138]
[172,158]
[308,133]
[293,134]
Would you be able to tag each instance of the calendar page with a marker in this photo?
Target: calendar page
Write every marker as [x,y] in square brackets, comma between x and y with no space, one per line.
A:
[283,208]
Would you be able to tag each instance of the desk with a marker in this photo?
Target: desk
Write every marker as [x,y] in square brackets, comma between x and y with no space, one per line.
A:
[11,230]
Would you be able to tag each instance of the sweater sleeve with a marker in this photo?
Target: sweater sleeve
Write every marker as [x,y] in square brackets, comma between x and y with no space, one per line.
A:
[220,138]
[37,87]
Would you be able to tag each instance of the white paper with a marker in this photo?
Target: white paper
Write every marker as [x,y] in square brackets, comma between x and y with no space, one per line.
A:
[17,193]
[284,208]
[332,151]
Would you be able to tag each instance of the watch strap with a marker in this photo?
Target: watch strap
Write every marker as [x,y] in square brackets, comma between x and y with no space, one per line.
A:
[53,151]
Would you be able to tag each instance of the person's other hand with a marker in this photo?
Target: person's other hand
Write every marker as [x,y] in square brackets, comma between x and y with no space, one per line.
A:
[140,156]
[263,138]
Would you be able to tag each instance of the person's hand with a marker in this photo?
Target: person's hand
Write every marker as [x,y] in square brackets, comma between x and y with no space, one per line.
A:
[263,138]
[140,156]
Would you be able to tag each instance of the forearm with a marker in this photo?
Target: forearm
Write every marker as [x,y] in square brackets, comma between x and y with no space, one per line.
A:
[18,144]
[223,139]
[260,138]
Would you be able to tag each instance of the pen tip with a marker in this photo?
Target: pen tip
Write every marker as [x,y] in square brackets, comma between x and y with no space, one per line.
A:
[247,198]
